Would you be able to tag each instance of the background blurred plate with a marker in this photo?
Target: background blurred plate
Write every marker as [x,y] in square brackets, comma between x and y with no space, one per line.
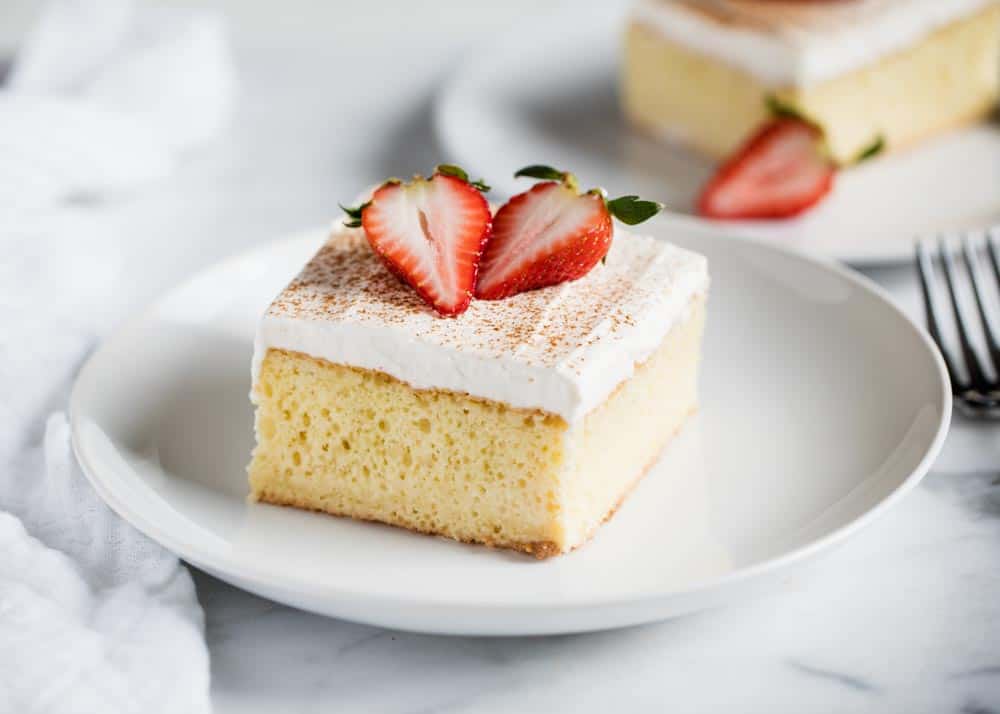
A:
[809,426]
[545,92]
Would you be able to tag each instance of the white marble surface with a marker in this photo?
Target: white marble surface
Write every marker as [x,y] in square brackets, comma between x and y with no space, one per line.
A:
[905,618]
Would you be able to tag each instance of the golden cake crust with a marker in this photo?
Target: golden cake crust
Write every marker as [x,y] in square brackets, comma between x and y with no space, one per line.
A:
[542,550]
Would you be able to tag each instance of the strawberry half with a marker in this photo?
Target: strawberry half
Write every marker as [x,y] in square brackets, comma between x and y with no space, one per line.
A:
[551,234]
[780,172]
[430,233]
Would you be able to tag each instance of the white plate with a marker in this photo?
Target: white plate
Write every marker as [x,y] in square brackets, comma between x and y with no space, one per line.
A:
[821,404]
[546,93]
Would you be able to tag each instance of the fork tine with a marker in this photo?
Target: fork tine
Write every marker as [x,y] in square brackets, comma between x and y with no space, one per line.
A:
[991,245]
[978,283]
[927,282]
[975,368]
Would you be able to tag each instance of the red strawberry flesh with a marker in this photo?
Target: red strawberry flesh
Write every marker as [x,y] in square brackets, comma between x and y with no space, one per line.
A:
[431,233]
[779,172]
[544,236]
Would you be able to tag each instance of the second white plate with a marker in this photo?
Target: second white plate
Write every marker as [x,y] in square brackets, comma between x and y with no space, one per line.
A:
[546,93]
[821,404]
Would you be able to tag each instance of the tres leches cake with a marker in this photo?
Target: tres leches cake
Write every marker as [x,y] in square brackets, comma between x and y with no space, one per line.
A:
[868,75]
[522,420]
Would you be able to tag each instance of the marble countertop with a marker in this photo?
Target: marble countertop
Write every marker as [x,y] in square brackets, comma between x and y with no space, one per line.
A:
[904,618]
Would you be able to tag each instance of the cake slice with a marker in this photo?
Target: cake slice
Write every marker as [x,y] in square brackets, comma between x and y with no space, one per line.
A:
[704,72]
[522,423]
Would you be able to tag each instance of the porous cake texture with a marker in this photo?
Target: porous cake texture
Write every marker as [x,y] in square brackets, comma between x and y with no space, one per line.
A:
[521,424]
[700,72]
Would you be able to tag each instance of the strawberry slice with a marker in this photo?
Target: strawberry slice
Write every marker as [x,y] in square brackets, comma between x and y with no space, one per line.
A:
[551,234]
[780,172]
[430,233]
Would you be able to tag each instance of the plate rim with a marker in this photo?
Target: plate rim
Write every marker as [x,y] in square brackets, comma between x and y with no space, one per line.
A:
[260,578]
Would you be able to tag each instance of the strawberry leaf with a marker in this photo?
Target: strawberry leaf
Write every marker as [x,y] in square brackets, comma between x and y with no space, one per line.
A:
[452,170]
[547,173]
[780,108]
[354,214]
[874,149]
[461,174]
[632,210]
[540,171]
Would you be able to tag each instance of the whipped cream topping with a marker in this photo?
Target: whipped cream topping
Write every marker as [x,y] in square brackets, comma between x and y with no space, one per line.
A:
[796,44]
[561,350]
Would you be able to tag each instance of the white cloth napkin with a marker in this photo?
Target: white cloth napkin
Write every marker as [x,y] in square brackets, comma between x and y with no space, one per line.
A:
[94,617]
[105,93]
[104,96]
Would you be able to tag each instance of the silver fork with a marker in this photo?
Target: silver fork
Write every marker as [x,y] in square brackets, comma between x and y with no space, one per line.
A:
[974,380]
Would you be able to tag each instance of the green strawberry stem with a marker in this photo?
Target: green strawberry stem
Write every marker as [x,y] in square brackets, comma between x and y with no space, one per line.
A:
[354,214]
